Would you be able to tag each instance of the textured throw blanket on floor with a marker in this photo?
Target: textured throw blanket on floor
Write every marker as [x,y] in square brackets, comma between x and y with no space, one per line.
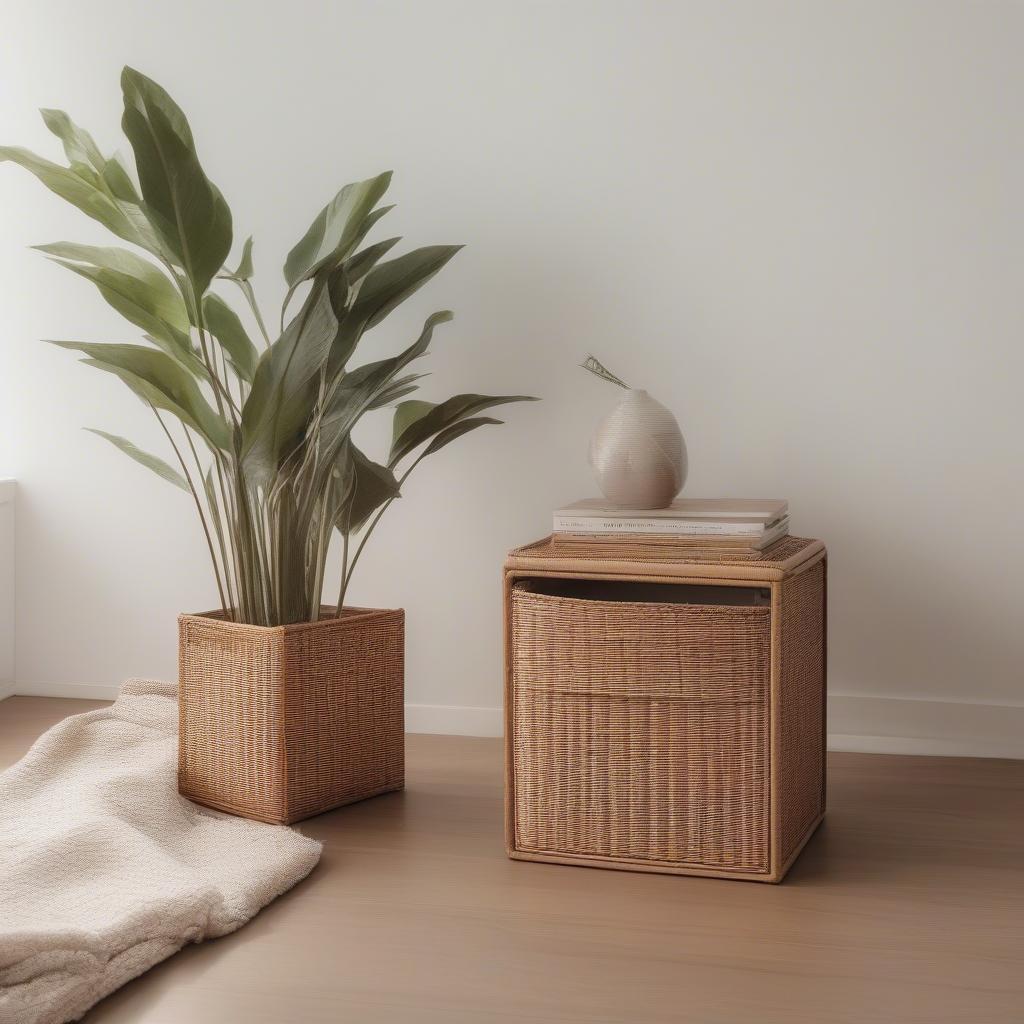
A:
[105,870]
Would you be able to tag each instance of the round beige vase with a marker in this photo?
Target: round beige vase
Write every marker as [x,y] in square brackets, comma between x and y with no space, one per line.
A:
[638,454]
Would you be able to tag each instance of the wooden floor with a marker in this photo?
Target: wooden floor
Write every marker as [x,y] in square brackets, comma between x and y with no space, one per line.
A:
[907,906]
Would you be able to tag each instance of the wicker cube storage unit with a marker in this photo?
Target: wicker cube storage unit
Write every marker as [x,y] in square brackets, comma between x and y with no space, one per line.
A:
[665,713]
[281,723]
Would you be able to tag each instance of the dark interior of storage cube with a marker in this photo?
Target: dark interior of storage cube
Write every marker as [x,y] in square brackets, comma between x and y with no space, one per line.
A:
[647,593]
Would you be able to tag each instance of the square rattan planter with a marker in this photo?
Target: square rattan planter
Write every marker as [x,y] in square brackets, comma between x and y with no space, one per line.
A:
[281,723]
[665,712]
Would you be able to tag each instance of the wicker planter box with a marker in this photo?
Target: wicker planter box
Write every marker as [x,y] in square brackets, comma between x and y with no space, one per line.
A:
[665,713]
[281,723]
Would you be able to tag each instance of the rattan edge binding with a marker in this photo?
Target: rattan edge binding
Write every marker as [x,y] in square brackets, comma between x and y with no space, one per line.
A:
[283,818]
[327,616]
[783,870]
[656,867]
[521,560]
[650,607]
[649,866]
[774,705]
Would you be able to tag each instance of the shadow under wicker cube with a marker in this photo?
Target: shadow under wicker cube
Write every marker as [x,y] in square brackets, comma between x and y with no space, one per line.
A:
[665,712]
[279,723]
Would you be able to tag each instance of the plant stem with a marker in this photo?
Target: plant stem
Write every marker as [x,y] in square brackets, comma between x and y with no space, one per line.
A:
[244,539]
[199,508]
[217,526]
[262,558]
[345,569]
[320,553]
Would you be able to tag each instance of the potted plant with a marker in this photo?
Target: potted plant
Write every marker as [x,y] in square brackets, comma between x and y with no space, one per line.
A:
[288,706]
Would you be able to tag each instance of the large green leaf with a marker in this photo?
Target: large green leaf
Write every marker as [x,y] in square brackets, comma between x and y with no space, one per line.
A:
[225,326]
[390,284]
[139,291]
[80,192]
[416,422]
[79,146]
[406,416]
[335,230]
[245,267]
[367,226]
[285,385]
[100,187]
[162,297]
[359,265]
[371,484]
[351,270]
[143,302]
[397,389]
[385,287]
[345,282]
[456,430]
[361,388]
[118,183]
[186,208]
[107,174]
[158,379]
[157,465]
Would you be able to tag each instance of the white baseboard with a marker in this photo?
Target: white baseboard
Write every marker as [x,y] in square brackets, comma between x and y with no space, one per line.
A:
[7,551]
[872,724]
[910,725]
[79,691]
[452,720]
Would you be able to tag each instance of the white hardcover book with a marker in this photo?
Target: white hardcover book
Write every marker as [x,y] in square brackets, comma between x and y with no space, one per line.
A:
[682,527]
[732,510]
[757,542]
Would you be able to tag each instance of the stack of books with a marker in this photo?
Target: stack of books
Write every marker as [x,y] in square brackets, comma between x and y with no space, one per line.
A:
[729,523]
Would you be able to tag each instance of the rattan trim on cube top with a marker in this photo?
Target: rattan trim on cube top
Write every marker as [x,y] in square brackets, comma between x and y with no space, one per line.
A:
[328,615]
[786,557]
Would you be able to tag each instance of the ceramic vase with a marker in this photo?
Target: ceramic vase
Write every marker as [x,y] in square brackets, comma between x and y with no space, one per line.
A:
[638,454]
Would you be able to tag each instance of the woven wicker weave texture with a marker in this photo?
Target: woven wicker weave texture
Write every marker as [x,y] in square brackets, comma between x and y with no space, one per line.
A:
[801,718]
[282,723]
[639,732]
[779,555]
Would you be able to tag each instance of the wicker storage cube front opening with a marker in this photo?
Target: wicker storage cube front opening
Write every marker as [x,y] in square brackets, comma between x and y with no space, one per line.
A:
[281,723]
[641,729]
[664,717]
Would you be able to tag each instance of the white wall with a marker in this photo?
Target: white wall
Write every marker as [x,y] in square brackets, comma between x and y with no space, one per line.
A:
[798,224]
[7,584]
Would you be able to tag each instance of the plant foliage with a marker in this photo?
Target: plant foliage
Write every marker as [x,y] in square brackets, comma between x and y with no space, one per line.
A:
[261,430]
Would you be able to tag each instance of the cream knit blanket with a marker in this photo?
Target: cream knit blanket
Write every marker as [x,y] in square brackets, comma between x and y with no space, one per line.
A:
[105,870]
